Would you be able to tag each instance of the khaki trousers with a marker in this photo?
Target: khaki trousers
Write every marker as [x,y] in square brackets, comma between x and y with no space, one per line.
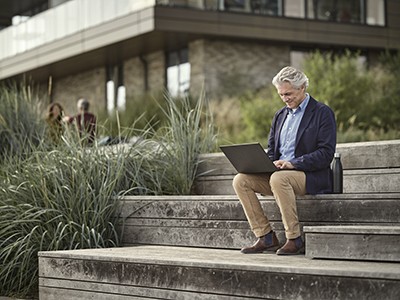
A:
[284,185]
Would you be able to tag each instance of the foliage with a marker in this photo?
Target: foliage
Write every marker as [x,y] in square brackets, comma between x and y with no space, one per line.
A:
[365,101]
[246,118]
[258,111]
[141,112]
[345,85]
[65,196]
[227,119]
[63,199]
[358,135]
[187,133]
[20,124]
[387,90]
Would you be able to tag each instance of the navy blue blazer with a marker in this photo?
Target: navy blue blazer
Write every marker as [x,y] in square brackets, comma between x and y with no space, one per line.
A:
[315,145]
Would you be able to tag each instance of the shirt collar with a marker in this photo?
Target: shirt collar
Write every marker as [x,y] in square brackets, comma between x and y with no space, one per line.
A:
[302,105]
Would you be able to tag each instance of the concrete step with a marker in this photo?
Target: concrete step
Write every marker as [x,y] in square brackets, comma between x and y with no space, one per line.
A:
[158,272]
[219,221]
[378,243]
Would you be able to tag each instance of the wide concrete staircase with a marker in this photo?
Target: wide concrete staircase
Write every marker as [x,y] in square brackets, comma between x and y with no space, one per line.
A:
[186,247]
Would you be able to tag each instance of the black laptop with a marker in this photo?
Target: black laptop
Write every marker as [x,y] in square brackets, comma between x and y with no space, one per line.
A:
[249,158]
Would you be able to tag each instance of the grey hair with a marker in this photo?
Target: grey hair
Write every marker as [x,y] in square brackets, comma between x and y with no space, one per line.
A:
[291,75]
[83,104]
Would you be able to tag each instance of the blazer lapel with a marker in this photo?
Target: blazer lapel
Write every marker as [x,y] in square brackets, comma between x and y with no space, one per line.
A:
[308,114]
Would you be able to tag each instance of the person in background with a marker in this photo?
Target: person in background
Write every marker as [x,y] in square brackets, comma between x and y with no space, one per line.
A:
[301,143]
[85,121]
[54,119]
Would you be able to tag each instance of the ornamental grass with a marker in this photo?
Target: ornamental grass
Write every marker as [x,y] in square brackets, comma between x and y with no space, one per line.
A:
[67,196]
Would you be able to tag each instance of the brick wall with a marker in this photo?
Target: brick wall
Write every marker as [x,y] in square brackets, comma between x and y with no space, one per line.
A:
[134,74]
[224,67]
[227,67]
[134,77]
[156,64]
[89,85]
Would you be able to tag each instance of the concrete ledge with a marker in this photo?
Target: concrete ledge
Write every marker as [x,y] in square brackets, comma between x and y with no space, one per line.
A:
[356,229]
[363,155]
[369,167]
[362,181]
[378,243]
[166,272]
[370,155]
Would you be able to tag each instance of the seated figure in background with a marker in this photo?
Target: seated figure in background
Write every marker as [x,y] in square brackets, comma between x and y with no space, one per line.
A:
[85,121]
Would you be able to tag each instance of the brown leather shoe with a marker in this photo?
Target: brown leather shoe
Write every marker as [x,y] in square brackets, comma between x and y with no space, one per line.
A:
[268,242]
[292,247]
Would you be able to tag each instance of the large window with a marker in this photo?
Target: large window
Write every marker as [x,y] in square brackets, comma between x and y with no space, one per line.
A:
[265,7]
[295,8]
[375,12]
[371,12]
[347,11]
[338,10]
[178,73]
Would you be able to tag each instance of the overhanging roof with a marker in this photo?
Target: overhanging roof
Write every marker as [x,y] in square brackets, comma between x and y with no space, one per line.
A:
[166,28]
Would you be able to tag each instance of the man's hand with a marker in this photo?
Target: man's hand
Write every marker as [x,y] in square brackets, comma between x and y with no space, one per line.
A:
[283,164]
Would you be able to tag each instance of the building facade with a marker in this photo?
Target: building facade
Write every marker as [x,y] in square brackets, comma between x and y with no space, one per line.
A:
[113,51]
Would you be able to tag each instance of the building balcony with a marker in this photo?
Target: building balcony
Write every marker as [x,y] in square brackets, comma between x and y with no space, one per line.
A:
[87,33]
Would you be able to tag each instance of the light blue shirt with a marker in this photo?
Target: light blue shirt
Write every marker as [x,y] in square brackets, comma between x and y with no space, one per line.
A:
[287,138]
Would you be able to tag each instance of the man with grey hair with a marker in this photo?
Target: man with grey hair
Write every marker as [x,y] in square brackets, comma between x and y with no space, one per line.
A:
[301,143]
[85,121]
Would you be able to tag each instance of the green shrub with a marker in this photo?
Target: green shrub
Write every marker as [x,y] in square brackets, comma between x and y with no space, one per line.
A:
[387,91]
[258,111]
[345,85]
[246,118]
[227,119]
[365,101]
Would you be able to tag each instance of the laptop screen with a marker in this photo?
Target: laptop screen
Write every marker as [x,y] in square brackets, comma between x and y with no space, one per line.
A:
[249,158]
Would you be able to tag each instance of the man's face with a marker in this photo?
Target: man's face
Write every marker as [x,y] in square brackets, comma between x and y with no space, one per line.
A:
[290,95]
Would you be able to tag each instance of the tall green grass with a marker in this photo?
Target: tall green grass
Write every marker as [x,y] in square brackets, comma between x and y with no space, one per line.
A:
[21,126]
[65,196]
[54,201]
[189,131]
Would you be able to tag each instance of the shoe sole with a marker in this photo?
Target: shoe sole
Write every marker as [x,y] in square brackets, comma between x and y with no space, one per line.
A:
[298,252]
[272,249]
